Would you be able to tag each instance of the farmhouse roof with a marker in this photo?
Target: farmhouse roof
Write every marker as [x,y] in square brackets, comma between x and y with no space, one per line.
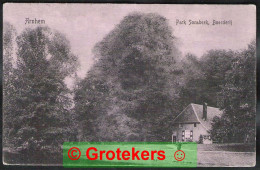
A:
[193,113]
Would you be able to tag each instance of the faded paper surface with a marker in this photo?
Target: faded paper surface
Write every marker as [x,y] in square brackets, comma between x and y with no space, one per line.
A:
[129,72]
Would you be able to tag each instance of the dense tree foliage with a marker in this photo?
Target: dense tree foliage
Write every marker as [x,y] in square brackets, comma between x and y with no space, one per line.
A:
[42,102]
[9,35]
[204,77]
[131,81]
[238,100]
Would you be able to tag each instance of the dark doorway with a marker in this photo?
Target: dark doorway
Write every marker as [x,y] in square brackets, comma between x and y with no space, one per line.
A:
[174,138]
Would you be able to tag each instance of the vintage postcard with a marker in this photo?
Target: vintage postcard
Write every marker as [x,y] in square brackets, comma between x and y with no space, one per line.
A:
[129,73]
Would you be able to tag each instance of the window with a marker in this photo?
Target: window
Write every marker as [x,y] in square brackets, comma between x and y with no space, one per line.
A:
[187,134]
[195,124]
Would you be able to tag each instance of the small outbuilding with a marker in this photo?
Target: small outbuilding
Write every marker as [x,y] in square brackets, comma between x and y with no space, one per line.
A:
[194,122]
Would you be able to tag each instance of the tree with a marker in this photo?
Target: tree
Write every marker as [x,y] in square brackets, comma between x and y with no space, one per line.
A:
[9,35]
[238,96]
[204,77]
[133,74]
[215,65]
[191,89]
[42,100]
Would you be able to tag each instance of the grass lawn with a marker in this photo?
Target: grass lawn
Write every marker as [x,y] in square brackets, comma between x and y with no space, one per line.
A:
[219,155]
[231,147]
[224,159]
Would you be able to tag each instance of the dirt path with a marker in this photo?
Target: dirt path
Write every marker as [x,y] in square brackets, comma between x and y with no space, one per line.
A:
[222,158]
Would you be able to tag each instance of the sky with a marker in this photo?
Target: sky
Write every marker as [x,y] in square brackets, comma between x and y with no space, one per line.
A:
[86,24]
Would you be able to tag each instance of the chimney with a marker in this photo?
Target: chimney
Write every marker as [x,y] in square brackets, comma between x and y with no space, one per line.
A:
[204,111]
